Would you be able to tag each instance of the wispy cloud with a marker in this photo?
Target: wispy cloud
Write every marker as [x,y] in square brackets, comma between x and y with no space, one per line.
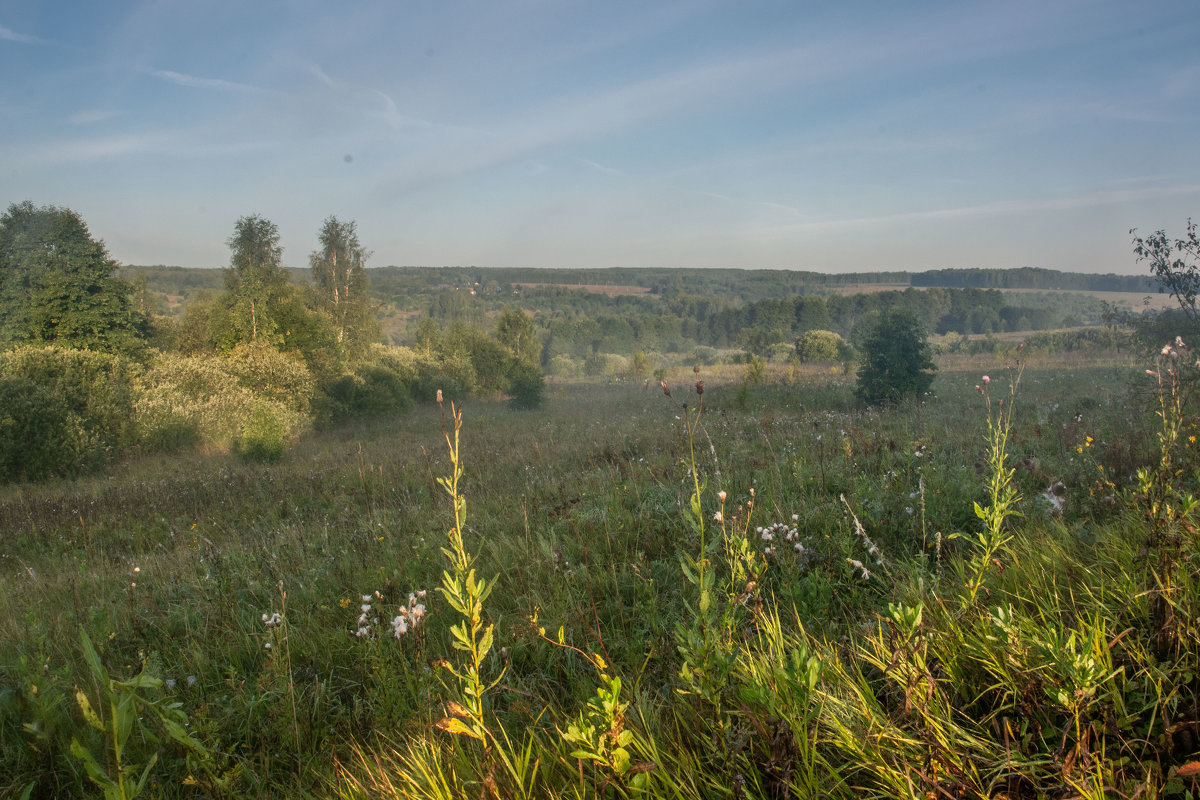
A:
[91,116]
[169,143]
[9,35]
[316,71]
[195,82]
[998,208]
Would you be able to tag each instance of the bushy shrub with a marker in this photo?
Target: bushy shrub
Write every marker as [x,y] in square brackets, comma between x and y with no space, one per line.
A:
[704,356]
[272,375]
[187,400]
[563,366]
[264,434]
[818,346]
[526,385]
[897,361]
[378,387]
[62,411]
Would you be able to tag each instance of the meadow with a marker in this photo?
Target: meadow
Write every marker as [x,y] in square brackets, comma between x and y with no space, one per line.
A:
[763,590]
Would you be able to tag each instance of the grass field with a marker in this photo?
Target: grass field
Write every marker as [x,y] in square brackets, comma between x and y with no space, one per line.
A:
[915,617]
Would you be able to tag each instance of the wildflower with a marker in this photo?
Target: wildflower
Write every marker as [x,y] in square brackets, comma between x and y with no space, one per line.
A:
[399,626]
[986,380]
[267,646]
[666,389]
[272,620]
[439,396]
[721,496]
[191,680]
[795,517]
[170,684]
[719,517]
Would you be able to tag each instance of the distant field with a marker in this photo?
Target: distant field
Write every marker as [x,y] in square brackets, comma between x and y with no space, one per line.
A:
[596,288]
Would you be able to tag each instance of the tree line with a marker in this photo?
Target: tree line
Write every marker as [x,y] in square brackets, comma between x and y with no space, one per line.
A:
[89,371]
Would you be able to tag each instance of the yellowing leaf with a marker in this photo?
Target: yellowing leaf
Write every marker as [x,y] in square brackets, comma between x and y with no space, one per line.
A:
[89,714]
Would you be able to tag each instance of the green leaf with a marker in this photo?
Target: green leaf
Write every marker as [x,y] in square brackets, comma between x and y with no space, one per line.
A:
[93,658]
[485,644]
[94,770]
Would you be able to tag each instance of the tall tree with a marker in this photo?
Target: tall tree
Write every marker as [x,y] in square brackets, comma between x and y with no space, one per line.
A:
[515,331]
[256,284]
[59,285]
[339,271]
[897,360]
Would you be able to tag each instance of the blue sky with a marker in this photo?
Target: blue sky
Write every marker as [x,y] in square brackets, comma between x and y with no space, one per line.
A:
[841,136]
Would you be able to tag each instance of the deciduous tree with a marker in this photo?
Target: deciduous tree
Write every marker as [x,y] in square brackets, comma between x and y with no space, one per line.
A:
[343,290]
[1175,264]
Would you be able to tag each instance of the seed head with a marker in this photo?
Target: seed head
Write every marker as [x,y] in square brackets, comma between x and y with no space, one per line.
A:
[666,389]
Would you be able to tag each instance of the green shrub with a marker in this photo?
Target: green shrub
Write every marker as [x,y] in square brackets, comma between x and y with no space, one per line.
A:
[200,400]
[371,390]
[62,412]
[822,347]
[272,375]
[263,436]
[563,366]
[525,385]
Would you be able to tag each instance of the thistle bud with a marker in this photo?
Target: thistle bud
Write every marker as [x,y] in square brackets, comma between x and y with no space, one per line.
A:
[699,387]
[666,389]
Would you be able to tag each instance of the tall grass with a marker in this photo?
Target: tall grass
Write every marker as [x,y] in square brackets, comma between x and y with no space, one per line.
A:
[858,650]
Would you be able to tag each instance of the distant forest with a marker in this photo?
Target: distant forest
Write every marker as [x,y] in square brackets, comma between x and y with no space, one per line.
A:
[579,313]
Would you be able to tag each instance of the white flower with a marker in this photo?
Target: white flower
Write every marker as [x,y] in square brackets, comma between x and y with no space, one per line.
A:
[721,495]
[366,598]
[399,626]
[719,517]
[365,607]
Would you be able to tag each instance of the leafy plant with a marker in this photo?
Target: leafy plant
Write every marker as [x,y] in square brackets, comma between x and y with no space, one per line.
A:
[129,713]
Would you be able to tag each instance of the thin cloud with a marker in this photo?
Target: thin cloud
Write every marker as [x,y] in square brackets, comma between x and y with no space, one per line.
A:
[90,117]
[316,71]
[1002,207]
[9,35]
[195,82]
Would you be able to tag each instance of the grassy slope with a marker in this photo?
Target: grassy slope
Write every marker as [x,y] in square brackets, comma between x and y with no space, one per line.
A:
[578,511]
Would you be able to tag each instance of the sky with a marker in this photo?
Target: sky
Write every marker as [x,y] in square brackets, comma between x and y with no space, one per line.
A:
[828,136]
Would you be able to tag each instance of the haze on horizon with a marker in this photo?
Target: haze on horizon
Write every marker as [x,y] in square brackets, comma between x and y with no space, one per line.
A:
[831,137]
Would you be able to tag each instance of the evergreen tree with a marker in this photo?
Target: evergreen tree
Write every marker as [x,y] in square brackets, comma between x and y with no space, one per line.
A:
[58,285]
[897,359]
[343,291]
